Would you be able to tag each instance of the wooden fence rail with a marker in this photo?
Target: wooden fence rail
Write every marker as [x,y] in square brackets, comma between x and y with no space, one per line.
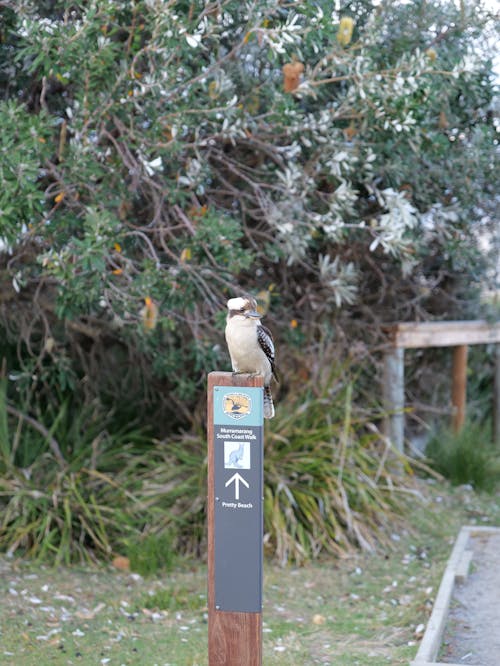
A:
[456,334]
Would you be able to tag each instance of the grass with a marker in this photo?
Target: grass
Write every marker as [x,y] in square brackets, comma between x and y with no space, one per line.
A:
[151,554]
[466,457]
[88,490]
[362,610]
[333,482]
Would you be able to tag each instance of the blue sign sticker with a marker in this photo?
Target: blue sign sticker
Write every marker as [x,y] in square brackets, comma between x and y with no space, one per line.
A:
[242,406]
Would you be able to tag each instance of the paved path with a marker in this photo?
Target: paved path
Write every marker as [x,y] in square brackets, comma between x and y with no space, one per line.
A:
[472,633]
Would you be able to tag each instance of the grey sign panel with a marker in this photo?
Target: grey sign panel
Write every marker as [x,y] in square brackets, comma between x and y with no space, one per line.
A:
[238,529]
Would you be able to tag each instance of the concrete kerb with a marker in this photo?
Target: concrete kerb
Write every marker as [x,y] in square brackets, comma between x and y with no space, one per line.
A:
[456,570]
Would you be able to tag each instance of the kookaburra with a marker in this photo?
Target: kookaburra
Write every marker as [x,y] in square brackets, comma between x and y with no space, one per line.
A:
[251,345]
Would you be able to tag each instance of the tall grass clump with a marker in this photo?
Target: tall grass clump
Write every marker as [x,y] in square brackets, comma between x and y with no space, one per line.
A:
[76,486]
[59,499]
[466,457]
[333,482]
[168,481]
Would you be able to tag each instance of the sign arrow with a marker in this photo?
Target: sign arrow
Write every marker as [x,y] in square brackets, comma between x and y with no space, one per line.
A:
[236,478]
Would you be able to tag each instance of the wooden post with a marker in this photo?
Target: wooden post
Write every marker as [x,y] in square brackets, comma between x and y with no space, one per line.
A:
[394,396]
[459,386]
[457,334]
[496,397]
[234,637]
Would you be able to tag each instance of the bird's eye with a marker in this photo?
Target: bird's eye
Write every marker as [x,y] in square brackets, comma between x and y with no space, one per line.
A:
[242,309]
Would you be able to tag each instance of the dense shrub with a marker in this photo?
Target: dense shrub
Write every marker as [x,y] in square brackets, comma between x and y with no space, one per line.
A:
[332,484]
[157,157]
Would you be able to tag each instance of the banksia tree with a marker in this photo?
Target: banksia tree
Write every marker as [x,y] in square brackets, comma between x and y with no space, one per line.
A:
[156,154]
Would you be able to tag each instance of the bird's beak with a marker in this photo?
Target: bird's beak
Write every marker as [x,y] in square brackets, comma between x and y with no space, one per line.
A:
[252,314]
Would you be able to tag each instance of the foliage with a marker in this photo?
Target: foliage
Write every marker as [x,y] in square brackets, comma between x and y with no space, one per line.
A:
[61,503]
[331,484]
[150,554]
[467,457]
[156,156]
[103,491]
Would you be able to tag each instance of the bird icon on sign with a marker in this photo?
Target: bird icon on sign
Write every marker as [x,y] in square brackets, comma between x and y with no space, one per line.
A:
[236,405]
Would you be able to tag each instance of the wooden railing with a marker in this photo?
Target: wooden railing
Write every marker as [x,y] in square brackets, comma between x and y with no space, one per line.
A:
[456,334]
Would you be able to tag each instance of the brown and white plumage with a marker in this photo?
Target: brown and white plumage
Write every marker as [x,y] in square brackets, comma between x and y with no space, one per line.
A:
[251,345]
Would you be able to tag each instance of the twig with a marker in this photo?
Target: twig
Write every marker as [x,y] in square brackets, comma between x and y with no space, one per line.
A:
[56,450]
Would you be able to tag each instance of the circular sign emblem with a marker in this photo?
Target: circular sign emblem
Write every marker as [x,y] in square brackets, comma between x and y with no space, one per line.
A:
[236,405]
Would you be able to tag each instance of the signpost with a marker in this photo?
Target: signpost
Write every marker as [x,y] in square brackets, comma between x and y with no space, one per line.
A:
[235,519]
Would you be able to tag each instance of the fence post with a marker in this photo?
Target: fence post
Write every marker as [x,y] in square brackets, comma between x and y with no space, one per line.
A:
[394,396]
[459,387]
[235,519]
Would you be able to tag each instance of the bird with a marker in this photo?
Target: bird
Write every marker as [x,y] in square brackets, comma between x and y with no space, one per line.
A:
[251,345]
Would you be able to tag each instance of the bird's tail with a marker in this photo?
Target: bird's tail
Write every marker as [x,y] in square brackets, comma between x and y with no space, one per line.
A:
[268,403]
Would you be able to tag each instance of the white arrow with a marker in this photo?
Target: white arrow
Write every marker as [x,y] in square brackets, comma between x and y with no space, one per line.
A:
[237,478]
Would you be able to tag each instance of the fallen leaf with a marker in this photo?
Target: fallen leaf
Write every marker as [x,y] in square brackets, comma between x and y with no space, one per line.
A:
[319,619]
[419,630]
[121,563]
[90,614]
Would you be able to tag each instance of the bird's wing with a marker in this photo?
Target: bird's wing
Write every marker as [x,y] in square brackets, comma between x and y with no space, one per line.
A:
[266,343]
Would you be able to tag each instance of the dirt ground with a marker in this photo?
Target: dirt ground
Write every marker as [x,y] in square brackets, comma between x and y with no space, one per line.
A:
[472,634]
[364,610]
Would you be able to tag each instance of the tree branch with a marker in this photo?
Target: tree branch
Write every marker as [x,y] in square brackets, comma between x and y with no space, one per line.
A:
[53,443]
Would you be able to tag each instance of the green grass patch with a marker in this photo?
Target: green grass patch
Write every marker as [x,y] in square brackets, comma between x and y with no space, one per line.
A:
[467,457]
[358,611]
[151,554]
[174,599]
